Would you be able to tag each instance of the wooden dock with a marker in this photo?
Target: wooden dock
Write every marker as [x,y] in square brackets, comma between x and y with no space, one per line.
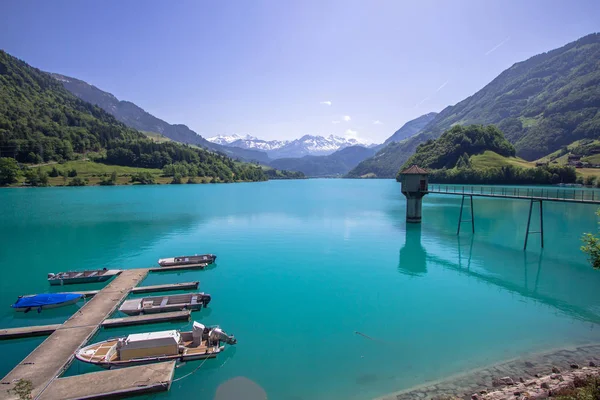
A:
[147,319]
[28,331]
[151,289]
[116,384]
[44,330]
[178,267]
[51,358]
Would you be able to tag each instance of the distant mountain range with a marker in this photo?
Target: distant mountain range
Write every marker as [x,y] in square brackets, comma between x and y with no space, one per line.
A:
[135,117]
[306,145]
[410,128]
[541,104]
[332,165]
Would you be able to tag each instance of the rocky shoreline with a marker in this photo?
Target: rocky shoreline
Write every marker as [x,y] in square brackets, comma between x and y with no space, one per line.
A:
[533,377]
[540,387]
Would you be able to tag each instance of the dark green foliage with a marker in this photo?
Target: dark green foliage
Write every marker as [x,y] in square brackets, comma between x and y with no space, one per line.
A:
[177,179]
[77,181]
[541,104]
[505,175]
[460,143]
[72,173]
[284,174]
[41,121]
[143,178]
[9,171]
[191,180]
[135,117]
[36,177]
[338,163]
[110,181]
[582,388]
[54,172]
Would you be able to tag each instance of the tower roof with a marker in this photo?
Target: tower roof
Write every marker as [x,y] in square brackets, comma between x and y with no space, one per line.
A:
[414,170]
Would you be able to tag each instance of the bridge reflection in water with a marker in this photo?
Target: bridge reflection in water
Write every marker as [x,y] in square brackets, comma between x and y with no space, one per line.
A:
[571,289]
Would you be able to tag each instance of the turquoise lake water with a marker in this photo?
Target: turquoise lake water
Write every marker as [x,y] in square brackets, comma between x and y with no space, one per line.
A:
[304,265]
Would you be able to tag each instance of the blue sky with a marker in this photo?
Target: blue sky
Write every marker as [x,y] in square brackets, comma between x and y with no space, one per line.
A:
[270,68]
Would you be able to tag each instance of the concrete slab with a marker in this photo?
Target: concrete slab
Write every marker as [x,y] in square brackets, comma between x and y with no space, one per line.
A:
[28,331]
[147,319]
[118,383]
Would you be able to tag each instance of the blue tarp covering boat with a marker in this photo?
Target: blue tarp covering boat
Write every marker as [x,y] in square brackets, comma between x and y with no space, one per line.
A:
[46,300]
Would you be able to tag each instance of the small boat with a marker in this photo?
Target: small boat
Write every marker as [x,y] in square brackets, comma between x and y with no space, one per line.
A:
[187,260]
[158,304]
[72,277]
[144,348]
[45,301]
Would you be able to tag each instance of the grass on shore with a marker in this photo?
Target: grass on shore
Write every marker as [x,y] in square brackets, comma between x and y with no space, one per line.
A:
[489,159]
[94,173]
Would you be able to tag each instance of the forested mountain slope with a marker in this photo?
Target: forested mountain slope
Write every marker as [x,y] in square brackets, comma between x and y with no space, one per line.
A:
[541,104]
[40,121]
[136,117]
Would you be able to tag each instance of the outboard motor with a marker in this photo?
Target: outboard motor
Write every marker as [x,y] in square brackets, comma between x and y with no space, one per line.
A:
[217,335]
[197,332]
[206,299]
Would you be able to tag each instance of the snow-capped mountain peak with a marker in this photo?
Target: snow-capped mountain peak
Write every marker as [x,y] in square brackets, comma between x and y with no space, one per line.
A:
[306,145]
[228,139]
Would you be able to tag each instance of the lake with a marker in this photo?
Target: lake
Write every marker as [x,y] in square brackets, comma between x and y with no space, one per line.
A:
[328,291]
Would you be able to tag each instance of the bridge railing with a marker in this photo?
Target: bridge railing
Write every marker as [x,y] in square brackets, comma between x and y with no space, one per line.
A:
[554,193]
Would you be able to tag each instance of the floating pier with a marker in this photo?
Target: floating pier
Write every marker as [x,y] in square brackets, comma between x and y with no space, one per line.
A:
[44,330]
[117,384]
[178,267]
[151,289]
[147,319]
[28,331]
[50,359]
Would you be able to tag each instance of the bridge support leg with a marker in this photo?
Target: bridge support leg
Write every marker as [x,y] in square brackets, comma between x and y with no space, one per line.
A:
[541,231]
[460,220]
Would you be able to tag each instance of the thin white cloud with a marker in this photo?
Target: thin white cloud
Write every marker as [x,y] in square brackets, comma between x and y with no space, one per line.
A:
[346,118]
[326,103]
[377,122]
[490,51]
[441,87]
[422,101]
[351,133]
[335,122]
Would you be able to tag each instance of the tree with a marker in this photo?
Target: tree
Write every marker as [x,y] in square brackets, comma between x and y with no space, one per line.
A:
[77,181]
[54,173]
[110,181]
[591,246]
[36,177]
[176,179]
[72,173]
[9,171]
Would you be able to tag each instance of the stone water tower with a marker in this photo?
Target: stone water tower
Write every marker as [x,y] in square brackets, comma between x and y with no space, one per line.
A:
[414,186]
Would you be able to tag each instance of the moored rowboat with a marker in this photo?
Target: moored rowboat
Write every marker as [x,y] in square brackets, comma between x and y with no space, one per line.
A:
[158,304]
[73,277]
[144,348]
[45,301]
[187,260]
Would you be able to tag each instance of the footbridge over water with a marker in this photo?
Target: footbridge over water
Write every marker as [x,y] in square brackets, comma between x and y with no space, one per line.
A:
[415,186]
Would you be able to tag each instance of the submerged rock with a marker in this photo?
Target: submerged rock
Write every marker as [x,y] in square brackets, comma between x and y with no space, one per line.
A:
[555,370]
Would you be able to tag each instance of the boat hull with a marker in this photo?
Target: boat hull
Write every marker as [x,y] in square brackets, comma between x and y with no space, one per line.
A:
[187,260]
[72,281]
[48,306]
[178,358]
[157,310]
